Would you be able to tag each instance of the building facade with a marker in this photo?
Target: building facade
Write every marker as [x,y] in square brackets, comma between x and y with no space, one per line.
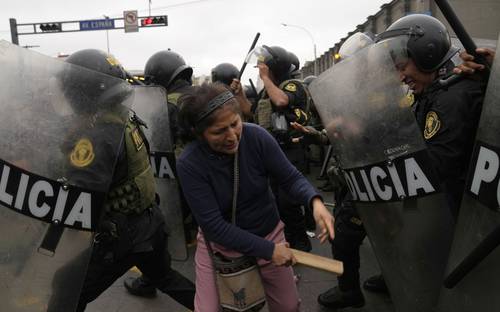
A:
[479,17]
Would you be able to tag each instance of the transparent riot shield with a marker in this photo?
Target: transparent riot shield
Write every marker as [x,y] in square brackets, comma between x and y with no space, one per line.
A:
[57,158]
[384,161]
[473,273]
[150,104]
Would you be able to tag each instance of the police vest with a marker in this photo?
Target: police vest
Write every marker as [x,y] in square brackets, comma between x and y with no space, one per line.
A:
[265,107]
[137,192]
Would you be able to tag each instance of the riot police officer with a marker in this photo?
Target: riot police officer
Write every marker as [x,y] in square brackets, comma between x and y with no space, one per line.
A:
[132,230]
[446,114]
[284,101]
[227,74]
[252,96]
[169,70]
[349,229]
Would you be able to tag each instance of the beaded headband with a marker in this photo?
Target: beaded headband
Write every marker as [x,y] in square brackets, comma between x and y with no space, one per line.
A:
[215,103]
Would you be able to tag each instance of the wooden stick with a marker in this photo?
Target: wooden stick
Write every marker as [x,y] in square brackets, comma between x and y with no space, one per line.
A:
[319,262]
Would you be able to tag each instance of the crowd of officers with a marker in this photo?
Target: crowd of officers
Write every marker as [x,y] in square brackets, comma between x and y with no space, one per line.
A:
[447,118]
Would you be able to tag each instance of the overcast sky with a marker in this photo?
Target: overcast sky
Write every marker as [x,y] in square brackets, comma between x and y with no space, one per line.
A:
[204,32]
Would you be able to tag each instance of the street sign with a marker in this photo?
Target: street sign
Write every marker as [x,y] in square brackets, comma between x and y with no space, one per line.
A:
[97,24]
[130,21]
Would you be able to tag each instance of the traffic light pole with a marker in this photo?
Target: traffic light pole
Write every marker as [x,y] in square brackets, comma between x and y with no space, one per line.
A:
[13,31]
[45,28]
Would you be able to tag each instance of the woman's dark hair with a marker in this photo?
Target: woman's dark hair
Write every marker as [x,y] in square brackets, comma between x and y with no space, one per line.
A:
[195,104]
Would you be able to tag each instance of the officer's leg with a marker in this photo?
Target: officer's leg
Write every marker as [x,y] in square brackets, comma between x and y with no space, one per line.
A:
[64,297]
[156,266]
[349,234]
[291,211]
[310,223]
[101,275]
[295,226]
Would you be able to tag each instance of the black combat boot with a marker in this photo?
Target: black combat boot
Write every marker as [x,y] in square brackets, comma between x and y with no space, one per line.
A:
[335,298]
[139,286]
[376,284]
[299,241]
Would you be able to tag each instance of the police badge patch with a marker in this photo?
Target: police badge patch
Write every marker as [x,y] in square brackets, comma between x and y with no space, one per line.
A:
[432,125]
[82,154]
[291,87]
[137,139]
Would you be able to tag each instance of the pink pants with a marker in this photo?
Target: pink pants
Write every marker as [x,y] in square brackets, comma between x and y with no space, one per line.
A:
[279,284]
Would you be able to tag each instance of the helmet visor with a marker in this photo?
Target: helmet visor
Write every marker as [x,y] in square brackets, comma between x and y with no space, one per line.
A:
[258,55]
[397,49]
[353,44]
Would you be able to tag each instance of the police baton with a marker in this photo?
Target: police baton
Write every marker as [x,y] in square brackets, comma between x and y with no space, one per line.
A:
[253,87]
[325,161]
[461,33]
[245,62]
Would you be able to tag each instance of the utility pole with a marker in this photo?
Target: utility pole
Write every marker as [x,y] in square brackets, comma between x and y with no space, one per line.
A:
[107,34]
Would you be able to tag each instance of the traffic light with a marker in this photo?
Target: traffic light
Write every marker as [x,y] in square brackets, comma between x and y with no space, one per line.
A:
[154,20]
[50,27]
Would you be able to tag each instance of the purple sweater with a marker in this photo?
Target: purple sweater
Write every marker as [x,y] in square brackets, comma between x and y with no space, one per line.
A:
[207,182]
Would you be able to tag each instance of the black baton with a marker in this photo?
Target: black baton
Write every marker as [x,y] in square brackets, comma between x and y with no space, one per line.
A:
[245,62]
[485,247]
[325,162]
[461,33]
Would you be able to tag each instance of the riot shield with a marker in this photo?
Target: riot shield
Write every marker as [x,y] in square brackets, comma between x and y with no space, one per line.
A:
[150,104]
[50,198]
[473,274]
[386,166]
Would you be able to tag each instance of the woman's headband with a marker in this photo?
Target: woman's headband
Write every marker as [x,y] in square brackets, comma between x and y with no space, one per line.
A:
[215,103]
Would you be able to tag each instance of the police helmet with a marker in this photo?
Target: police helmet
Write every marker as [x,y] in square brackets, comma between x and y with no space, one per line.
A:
[164,67]
[88,91]
[353,44]
[250,92]
[279,62]
[225,73]
[308,80]
[296,64]
[427,40]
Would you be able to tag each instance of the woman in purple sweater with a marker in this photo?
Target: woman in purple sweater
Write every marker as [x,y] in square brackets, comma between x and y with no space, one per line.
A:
[210,119]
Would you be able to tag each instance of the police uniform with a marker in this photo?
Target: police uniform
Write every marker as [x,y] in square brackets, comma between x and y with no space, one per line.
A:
[168,69]
[176,90]
[132,230]
[295,111]
[448,119]
[349,230]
